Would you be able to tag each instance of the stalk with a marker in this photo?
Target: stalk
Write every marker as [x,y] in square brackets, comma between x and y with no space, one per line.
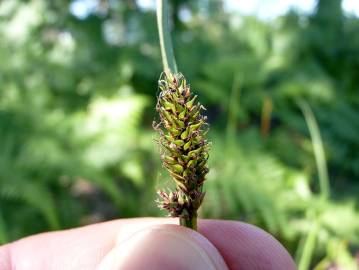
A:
[3,235]
[317,142]
[318,148]
[168,58]
[189,222]
[232,109]
[309,247]
[182,129]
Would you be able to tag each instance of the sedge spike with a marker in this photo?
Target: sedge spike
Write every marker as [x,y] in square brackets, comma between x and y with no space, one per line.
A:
[184,149]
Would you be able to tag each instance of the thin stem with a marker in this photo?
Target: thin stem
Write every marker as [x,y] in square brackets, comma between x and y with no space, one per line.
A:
[169,64]
[168,58]
[267,109]
[309,245]
[318,148]
[232,109]
[189,222]
[3,235]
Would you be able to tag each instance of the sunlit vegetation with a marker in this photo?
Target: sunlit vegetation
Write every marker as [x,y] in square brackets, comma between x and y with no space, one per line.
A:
[77,98]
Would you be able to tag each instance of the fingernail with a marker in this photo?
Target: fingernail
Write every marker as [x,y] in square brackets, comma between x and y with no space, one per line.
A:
[164,247]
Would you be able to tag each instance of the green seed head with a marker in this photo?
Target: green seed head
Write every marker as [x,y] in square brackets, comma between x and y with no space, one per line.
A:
[184,148]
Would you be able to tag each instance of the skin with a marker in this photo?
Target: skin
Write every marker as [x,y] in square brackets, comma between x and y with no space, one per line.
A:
[149,243]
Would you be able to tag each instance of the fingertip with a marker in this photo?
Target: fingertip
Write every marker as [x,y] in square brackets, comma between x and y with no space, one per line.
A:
[164,247]
[244,246]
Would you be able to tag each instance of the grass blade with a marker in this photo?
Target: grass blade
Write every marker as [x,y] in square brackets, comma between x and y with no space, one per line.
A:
[317,143]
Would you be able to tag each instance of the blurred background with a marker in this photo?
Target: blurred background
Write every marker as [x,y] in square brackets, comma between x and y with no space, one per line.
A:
[280,80]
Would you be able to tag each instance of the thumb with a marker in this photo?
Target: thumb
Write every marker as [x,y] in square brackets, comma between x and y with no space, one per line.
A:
[164,247]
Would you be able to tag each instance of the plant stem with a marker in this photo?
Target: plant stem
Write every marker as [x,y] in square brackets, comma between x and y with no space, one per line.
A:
[168,58]
[318,149]
[309,246]
[189,222]
[267,109]
[3,235]
[169,64]
[232,109]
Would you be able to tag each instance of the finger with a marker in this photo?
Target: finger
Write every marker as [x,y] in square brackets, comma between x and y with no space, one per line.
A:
[84,248]
[76,249]
[244,246]
[164,247]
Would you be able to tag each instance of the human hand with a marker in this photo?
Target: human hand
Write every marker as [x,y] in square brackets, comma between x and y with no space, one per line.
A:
[150,244]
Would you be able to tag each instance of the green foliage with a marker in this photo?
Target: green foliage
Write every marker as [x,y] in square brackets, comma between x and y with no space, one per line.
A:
[77,99]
